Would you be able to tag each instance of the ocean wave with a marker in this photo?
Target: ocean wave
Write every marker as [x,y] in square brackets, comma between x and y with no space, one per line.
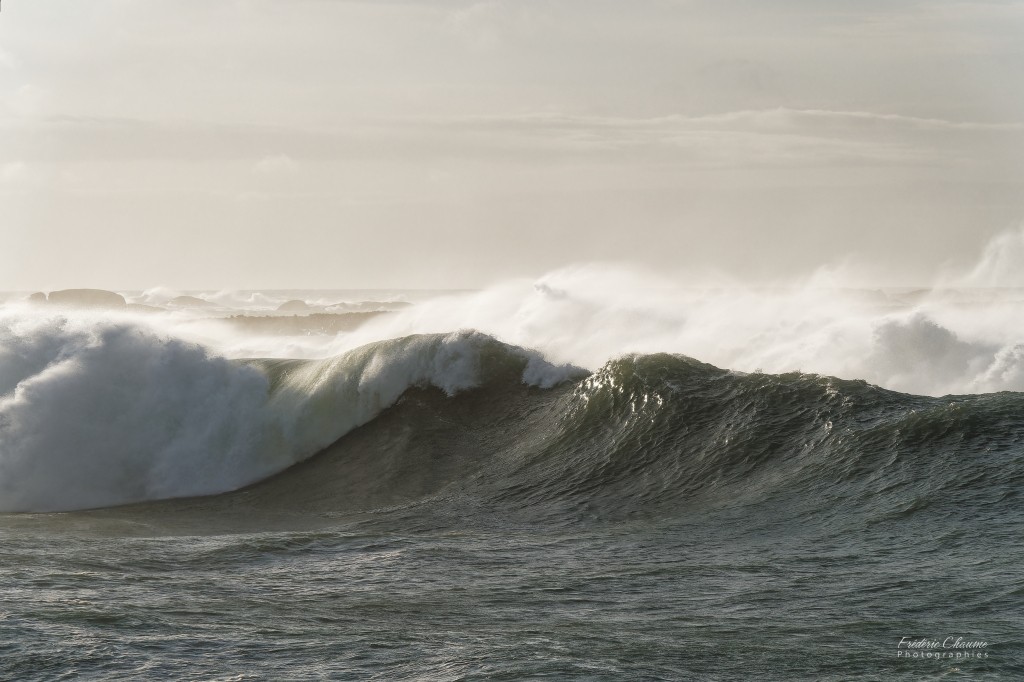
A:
[663,435]
[99,413]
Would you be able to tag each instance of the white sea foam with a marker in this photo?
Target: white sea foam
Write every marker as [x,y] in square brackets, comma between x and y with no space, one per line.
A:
[96,412]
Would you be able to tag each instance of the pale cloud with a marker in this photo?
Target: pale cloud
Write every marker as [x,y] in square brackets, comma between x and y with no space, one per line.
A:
[278,164]
[478,23]
[13,171]
[29,100]
[7,60]
[806,127]
[779,138]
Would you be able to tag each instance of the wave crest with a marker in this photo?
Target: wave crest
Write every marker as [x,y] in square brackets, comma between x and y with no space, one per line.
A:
[96,413]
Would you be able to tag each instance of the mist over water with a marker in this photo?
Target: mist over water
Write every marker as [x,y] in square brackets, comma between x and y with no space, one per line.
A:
[962,334]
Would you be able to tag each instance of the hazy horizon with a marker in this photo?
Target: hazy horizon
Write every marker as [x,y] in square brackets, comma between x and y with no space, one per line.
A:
[342,144]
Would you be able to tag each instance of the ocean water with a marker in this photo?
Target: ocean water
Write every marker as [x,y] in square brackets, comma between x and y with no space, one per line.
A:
[531,491]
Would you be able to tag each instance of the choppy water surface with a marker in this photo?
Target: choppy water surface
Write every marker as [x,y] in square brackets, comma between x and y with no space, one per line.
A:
[741,526]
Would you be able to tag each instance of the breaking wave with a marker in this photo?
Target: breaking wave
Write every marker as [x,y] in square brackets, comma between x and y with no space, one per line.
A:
[96,413]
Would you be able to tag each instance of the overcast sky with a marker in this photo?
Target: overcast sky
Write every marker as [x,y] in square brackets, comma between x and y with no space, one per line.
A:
[337,143]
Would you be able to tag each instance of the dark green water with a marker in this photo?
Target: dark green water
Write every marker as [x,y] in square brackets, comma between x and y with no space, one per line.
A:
[660,519]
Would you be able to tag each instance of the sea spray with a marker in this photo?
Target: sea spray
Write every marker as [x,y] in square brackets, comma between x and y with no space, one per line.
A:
[97,413]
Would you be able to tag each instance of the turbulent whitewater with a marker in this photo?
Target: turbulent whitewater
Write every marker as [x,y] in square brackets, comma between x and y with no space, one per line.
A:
[544,479]
[98,414]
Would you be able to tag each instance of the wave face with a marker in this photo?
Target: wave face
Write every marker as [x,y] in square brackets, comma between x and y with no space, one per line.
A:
[96,413]
[663,436]
[650,433]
